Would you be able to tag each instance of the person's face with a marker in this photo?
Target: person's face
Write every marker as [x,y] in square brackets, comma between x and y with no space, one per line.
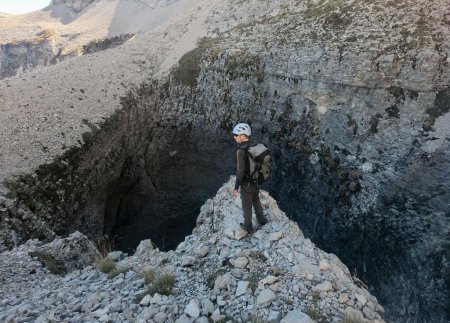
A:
[239,138]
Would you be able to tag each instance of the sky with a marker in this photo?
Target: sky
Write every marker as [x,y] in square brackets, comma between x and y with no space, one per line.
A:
[22,6]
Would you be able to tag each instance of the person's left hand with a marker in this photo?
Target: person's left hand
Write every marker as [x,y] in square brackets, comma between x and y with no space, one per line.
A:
[234,192]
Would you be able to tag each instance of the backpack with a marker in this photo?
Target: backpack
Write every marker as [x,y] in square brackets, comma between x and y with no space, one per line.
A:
[259,162]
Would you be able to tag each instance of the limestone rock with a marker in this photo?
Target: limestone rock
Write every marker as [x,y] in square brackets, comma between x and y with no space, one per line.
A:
[324,265]
[224,282]
[193,309]
[275,236]
[240,233]
[274,317]
[296,316]
[361,299]
[188,261]
[202,251]
[369,313]
[75,252]
[216,316]
[240,262]
[269,280]
[184,319]
[265,298]
[343,298]
[146,300]
[242,288]
[324,287]
[207,307]
[160,317]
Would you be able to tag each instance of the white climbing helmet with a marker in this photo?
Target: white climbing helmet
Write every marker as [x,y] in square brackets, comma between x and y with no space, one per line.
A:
[242,129]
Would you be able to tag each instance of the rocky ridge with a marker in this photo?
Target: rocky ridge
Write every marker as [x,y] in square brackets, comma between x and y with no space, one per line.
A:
[354,98]
[221,274]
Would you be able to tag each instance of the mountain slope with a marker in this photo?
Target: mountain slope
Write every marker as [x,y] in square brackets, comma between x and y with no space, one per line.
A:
[59,97]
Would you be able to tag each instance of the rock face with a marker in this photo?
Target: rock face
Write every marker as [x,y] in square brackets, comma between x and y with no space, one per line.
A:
[75,5]
[205,290]
[354,111]
[18,58]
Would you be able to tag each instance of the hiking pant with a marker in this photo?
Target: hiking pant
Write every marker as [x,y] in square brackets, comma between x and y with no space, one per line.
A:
[249,198]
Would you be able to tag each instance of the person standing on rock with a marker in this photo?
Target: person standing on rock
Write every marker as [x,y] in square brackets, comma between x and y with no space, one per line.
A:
[249,190]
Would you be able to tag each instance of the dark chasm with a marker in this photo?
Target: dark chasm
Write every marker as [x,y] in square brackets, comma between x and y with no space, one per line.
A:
[145,173]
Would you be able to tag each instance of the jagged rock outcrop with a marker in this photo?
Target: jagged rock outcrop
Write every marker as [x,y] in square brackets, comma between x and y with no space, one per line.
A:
[220,274]
[74,5]
[22,56]
[44,49]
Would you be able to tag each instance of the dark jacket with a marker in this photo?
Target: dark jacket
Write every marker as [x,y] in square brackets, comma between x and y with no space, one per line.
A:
[243,165]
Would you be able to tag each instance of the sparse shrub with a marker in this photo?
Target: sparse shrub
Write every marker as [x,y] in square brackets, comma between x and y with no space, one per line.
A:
[337,21]
[148,275]
[315,296]
[396,91]
[313,313]
[258,255]
[106,265]
[54,266]
[163,285]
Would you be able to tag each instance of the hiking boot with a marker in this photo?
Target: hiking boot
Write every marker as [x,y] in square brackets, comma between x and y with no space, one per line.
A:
[249,231]
[263,222]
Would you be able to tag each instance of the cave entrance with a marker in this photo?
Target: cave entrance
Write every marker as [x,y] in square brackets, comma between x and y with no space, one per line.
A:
[159,195]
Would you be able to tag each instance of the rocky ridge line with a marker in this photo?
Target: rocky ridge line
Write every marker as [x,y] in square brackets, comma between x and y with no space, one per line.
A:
[221,274]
